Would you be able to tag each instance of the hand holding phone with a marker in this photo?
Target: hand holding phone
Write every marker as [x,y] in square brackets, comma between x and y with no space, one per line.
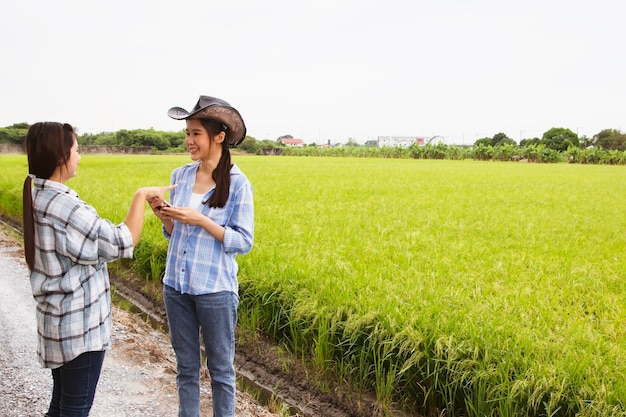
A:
[163,204]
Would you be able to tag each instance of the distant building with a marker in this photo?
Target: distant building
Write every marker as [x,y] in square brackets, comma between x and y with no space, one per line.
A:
[297,143]
[403,141]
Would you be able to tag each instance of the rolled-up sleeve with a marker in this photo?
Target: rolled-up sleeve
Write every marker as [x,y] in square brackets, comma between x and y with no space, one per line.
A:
[91,239]
[239,234]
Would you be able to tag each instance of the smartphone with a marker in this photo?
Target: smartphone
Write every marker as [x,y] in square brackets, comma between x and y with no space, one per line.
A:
[163,204]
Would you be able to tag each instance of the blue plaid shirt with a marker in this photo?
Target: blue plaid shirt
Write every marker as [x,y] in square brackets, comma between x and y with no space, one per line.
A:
[197,263]
[70,280]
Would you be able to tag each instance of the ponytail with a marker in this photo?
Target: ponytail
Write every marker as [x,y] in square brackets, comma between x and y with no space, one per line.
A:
[221,176]
[29,222]
[221,173]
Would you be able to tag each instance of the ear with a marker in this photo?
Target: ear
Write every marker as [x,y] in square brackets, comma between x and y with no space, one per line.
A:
[220,137]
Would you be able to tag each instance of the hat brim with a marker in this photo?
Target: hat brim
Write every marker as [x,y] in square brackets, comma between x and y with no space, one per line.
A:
[229,116]
[178,113]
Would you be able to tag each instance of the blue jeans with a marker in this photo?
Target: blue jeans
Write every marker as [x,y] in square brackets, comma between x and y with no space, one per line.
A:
[74,385]
[216,315]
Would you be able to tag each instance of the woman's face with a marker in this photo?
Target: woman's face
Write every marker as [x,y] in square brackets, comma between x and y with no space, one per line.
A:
[197,139]
[69,169]
[199,142]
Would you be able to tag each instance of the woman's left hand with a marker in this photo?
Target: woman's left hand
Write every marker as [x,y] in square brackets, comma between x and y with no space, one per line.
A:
[184,215]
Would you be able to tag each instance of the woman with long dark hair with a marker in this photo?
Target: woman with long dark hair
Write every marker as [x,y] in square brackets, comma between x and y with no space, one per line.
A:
[209,220]
[67,247]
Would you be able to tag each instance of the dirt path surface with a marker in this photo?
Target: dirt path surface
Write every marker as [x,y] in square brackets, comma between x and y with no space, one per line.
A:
[138,377]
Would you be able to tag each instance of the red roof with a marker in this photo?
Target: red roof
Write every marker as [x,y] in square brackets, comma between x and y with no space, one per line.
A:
[292,141]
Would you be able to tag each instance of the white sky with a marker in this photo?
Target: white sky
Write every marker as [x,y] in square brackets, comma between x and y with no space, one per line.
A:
[319,70]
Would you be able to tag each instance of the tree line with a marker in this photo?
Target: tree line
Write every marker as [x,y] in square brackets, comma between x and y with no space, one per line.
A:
[156,139]
[555,145]
[555,139]
[561,139]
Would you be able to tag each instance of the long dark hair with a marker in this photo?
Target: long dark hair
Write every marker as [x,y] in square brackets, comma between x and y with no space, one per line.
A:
[221,173]
[48,145]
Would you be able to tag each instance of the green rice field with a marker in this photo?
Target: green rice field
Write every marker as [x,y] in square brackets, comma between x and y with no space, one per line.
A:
[452,288]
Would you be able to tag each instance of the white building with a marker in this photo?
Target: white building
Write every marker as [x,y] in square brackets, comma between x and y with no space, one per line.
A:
[403,141]
[406,141]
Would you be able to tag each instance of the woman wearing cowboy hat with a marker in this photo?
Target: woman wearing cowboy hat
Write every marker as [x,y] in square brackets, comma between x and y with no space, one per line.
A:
[208,221]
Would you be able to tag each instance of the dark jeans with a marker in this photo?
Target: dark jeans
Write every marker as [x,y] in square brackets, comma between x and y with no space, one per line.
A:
[75,386]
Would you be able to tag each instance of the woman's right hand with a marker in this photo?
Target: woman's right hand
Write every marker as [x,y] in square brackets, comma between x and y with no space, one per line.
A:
[134,218]
[155,197]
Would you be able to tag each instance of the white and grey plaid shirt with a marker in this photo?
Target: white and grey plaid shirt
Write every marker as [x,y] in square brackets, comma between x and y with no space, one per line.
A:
[70,280]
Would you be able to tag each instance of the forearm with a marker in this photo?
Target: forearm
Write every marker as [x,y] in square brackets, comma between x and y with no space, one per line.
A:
[213,228]
[134,218]
[168,225]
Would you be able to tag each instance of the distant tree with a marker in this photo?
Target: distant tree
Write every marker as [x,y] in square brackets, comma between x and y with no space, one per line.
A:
[105,139]
[529,142]
[250,145]
[267,143]
[23,125]
[86,139]
[506,141]
[124,138]
[14,134]
[7,135]
[352,142]
[175,139]
[500,139]
[150,137]
[559,139]
[371,143]
[586,141]
[610,139]
[483,142]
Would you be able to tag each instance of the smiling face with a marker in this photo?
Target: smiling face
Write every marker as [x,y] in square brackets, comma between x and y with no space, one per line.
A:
[200,144]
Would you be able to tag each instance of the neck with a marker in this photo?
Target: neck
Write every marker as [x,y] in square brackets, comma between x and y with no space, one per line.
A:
[209,164]
[57,176]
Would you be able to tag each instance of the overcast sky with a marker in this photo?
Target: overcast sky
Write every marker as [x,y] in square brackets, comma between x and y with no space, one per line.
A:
[319,70]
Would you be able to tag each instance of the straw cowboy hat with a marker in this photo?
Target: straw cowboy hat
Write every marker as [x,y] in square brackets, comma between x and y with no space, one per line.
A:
[217,109]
